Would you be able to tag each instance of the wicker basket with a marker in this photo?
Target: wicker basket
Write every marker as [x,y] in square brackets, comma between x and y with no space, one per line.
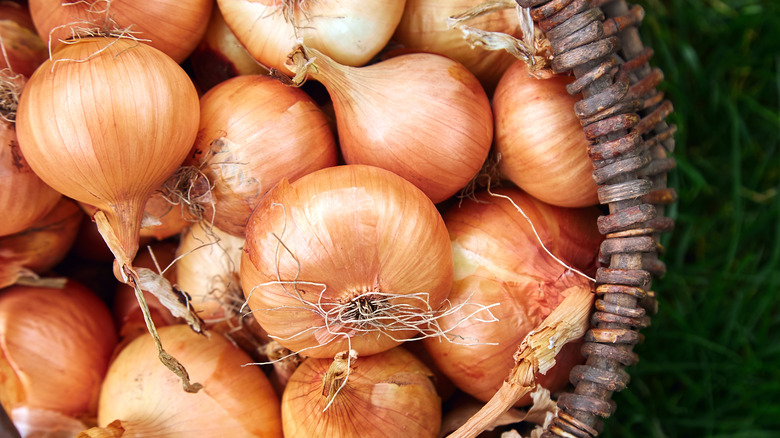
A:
[623,115]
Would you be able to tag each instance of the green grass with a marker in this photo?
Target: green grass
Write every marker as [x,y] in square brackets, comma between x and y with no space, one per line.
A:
[710,365]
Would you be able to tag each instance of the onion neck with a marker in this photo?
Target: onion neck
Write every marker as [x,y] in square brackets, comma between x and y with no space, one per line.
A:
[308,63]
[120,226]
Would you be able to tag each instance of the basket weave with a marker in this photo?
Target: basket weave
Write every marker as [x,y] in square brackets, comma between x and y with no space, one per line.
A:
[623,115]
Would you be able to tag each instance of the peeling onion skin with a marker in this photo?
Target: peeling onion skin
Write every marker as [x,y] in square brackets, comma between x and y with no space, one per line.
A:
[63,131]
[542,145]
[386,395]
[55,345]
[272,131]
[423,27]
[353,229]
[499,260]
[147,399]
[173,26]
[351,31]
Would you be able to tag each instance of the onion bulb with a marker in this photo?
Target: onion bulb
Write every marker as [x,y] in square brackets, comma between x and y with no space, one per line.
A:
[17,178]
[42,246]
[173,26]
[423,116]
[348,257]
[65,134]
[542,145]
[140,398]
[350,31]
[55,345]
[424,27]
[220,55]
[498,259]
[254,130]
[385,395]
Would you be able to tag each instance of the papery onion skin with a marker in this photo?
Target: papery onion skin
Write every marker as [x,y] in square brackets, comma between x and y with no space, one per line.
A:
[350,31]
[19,182]
[498,259]
[56,345]
[542,145]
[354,229]
[270,131]
[424,27]
[173,26]
[423,116]
[63,128]
[386,395]
[146,398]
[43,245]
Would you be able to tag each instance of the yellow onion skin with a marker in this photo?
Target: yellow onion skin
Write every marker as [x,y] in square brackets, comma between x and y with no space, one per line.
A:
[270,130]
[56,345]
[542,145]
[19,182]
[422,116]
[173,26]
[389,394]
[162,219]
[220,55]
[147,399]
[43,245]
[350,31]
[352,230]
[498,259]
[208,269]
[423,27]
[108,131]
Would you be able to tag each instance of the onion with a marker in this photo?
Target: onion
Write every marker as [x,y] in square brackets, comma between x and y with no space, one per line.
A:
[40,247]
[207,268]
[386,395]
[22,49]
[424,27]
[64,134]
[173,26]
[498,259]
[16,176]
[55,345]
[161,219]
[542,145]
[350,31]
[323,268]
[422,116]
[254,130]
[139,398]
[220,56]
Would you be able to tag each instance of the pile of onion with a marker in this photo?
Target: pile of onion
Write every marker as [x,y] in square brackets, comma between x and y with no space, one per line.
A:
[348,257]
[389,394]
[499,259]
[350,31]
[422,116]
[254,131]
[542,145]
[140,398]
[55,347]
